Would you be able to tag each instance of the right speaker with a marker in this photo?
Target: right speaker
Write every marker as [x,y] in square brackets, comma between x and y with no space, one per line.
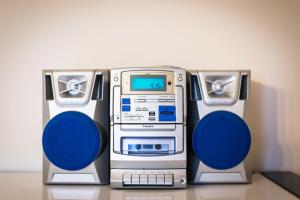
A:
[218,135]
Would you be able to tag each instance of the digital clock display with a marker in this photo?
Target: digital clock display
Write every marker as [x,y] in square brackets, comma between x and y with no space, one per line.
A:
[148,83]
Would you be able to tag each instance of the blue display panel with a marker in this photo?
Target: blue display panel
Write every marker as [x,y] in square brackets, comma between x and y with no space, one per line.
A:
[148,83]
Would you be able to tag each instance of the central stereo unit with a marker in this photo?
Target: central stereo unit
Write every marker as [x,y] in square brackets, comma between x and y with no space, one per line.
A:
[148,127]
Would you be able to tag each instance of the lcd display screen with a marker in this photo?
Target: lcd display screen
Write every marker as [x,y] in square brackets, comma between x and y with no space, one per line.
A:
[148,83]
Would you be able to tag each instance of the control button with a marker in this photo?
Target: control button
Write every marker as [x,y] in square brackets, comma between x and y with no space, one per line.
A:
[180,79]
[160,179]
[138,146]
[171,100]
[182,181]
[143,179]
[141,100]
[125,100]
[116,79]
[144,109]
[167,113]
[135,179]
[152,118]
[168,179]
[125,108]
[127,179]
[158,146]
[152,100]
[152,179]
[138,109]
[162,100]
[151,113]
[132,118]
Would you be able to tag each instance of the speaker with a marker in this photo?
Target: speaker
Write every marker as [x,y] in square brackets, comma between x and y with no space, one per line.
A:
[76,127]
[218,135]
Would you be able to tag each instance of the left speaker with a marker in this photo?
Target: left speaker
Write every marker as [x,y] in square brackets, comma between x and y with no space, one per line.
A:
[76,127]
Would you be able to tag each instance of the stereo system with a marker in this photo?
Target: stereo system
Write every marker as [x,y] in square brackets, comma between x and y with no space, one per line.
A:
[146,127]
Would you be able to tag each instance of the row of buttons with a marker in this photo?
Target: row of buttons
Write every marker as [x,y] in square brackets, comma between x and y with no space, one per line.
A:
[148,179]
[138,118]
[132,117]
[155,100]
[141,109]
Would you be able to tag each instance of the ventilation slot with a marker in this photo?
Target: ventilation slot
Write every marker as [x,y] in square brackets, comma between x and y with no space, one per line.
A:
[195,89]
[244,88]
[97,91]
[48,87]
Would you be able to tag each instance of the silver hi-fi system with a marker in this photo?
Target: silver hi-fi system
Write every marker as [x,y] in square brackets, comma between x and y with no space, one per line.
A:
[218,134]
[76,127]
[148,130]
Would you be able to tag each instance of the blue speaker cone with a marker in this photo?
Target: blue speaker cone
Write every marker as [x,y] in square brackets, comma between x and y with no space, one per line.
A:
[71,140]
[221,140]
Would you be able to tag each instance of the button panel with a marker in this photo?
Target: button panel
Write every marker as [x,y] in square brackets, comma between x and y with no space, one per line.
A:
[148,179]
[148,109]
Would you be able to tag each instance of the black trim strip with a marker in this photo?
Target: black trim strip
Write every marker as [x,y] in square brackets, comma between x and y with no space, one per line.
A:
[48,87]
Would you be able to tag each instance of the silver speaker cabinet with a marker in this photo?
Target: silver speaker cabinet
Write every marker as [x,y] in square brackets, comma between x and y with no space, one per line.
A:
[76,126]
[148,127]
[218,135]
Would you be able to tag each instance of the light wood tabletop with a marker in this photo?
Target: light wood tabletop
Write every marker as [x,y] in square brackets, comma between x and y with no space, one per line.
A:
[28,186]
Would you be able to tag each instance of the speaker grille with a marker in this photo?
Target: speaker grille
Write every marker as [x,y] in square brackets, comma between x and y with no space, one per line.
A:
[72,86]
[71,140]
[221,140]
[220,86]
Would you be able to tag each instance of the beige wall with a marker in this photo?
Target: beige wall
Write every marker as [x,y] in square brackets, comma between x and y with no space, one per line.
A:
[263,36]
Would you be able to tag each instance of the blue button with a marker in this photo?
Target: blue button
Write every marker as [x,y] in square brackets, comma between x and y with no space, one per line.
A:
[126,101]
[125,108]
[167,113]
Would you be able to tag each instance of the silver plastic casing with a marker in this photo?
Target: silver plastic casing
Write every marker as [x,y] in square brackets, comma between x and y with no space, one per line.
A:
[236,101]
[96,108]
[147,171]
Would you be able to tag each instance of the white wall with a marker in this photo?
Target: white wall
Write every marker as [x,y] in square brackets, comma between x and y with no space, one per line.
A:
[260,35]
